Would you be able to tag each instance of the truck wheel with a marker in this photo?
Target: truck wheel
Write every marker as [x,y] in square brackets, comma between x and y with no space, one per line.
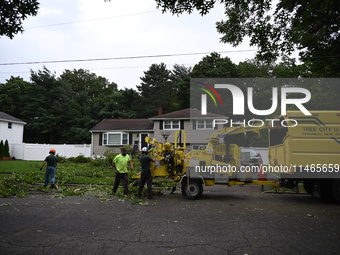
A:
[194,191]
[336,190]
[309,186]
[325,190]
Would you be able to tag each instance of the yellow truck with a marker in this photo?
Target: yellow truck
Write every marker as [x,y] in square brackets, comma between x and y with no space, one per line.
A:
[310,151]
[305,149]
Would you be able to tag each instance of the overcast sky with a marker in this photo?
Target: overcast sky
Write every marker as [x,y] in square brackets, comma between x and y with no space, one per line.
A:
[119,31]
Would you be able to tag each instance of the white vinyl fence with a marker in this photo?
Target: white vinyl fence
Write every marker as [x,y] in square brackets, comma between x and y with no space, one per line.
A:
[31,151]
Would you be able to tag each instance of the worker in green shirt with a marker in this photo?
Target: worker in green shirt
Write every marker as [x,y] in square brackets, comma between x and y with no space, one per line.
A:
[120,164]
[146,175]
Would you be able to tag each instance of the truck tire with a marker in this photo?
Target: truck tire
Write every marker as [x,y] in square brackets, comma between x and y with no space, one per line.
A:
[309,186]
[195,189]
[336,190]
[325,190]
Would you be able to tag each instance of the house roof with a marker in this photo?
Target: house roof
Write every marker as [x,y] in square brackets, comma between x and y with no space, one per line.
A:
[8,118]
[124,124]
[188,113]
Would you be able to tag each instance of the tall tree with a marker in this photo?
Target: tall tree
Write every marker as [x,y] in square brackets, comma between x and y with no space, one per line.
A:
[180,76]
[12,96]
[288,68]
[45,108]
[12,14]
[157,90]
[310,26]
[253,69]
[124,104]
[88,95]
[214,66]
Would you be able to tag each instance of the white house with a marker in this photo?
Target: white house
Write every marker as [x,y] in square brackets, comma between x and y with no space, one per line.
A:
[11,128]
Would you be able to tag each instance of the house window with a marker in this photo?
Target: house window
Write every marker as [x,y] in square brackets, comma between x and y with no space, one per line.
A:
[171,124]
[204,124]
[115,139]
[9,125]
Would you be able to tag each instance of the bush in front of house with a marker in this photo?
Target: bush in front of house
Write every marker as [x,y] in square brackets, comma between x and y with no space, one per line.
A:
[2,149]
[6,150]
[79,159]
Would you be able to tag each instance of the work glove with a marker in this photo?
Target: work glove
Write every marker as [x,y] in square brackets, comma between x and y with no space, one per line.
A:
[40,168]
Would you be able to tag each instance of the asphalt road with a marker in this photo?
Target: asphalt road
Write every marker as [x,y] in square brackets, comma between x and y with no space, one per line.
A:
[225,220]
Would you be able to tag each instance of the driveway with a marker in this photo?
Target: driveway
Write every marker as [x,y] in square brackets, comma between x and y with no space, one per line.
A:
[235,220]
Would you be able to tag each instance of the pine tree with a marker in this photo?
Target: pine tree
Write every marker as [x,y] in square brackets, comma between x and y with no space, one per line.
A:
[2,154]
[6,150]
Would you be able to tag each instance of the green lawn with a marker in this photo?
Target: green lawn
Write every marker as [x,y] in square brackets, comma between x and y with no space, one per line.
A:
[19,166]
[71,173]
[20,178]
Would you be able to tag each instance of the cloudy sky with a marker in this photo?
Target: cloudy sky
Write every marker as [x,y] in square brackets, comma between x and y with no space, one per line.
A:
[118,40]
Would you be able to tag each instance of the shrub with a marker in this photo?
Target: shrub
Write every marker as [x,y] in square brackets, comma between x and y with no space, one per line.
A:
[82,159]
[61,159]
[109,156]
[6,150]
[2,149]
[100,161]
[79,159]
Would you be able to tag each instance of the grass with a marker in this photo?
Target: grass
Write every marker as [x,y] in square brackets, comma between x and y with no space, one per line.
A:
[19,166]
[19,178]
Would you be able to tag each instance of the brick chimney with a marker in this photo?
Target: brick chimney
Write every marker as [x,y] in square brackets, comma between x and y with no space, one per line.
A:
[160,110]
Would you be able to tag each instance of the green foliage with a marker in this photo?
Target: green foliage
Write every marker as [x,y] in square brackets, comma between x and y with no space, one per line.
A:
[180,6]
[87,170]
[12,96]
[110,155]
[2,149]
[180,77]
[101,161]
[214,66]
[77,100]
[6,149]
[45,108]
[19,166]
[61,159]
[64,175]
[88,95]
[277,28]
[13,13]
[253,69]
[73,179]
[124,104]
[79,159]
[17,185]
[58,109]
[156,90]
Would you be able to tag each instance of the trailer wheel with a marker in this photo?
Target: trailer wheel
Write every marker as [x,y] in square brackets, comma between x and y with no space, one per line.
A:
[194,190]
[336,190]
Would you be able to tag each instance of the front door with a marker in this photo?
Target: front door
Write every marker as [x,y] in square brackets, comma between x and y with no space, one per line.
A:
[142,140]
